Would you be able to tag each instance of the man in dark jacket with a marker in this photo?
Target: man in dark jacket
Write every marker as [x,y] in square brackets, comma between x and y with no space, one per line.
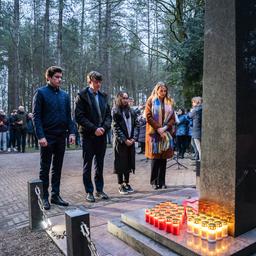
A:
[93,116]
[52,120]
[21,129]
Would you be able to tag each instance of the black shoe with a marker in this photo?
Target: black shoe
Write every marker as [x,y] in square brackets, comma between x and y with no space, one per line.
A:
[59,201]
[46,204]
[101,195]
[90,198]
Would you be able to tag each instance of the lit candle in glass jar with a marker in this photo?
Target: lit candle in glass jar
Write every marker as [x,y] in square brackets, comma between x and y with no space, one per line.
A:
[224,229]
[168,224]
[197,227]
[175,227]
[161,223]
[204,228]
[190,225]
[211,233]
[156,217]
[147,211]
[152,217]
[218,230]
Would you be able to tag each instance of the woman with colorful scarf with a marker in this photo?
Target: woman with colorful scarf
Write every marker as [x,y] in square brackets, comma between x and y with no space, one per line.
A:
[159,129]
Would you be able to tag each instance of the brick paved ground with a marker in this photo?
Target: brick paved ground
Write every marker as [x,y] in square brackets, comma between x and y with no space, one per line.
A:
[17,169]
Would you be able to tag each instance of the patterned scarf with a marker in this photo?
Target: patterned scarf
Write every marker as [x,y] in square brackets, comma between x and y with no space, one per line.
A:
[158,143]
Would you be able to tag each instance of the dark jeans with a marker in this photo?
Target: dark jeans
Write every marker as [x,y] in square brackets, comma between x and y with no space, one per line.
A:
[123,178]
[52,154]
[93,148]
[12,138]
[21,139]
[158,171]
[181,145]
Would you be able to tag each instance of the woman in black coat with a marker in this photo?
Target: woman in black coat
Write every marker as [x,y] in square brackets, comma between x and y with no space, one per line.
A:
[125,132]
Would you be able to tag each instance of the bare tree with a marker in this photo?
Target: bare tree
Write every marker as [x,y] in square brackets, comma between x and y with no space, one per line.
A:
[46,36]
[59,36]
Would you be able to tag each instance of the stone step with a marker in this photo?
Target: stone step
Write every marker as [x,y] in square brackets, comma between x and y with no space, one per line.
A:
[139,242]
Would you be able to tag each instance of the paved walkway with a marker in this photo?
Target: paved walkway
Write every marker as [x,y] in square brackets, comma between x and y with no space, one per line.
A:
[17,169]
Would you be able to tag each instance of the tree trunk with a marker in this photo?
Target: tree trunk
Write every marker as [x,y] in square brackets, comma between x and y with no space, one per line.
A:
[108,78]
[100,33]
[59,37]
[45,57]
[82,48]
[14,80]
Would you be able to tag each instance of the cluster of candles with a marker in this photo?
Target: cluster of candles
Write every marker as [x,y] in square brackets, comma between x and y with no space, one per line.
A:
[205,226]
[166,216]
[170,217]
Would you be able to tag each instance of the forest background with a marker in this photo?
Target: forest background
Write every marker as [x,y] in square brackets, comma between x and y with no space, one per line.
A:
[133,43]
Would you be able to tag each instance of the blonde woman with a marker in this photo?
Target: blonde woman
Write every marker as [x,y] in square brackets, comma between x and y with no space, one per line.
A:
[159,143]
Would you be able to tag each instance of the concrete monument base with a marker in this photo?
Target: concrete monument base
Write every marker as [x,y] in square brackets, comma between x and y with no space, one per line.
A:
[148,240]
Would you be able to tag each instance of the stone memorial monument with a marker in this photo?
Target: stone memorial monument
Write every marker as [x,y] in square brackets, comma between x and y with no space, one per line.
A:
[228,168]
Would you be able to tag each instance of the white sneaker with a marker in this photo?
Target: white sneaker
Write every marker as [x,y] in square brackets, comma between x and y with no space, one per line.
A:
[15,150]
[122,190]
[8,150]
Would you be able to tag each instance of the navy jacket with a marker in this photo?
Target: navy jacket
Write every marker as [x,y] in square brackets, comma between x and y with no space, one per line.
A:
[51,112]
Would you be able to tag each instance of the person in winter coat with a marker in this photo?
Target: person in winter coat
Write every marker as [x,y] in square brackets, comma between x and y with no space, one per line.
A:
[125,131]
[3,131]
[52,119]
[196,115]
[182,132]
[159,143]
[21,127]
[142,131]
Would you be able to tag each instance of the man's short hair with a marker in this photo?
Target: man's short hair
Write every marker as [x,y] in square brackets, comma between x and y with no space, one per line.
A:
[94,74]
[52,70]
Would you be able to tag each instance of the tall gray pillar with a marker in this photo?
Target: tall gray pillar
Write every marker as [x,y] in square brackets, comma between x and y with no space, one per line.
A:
[228,168]
[35,214]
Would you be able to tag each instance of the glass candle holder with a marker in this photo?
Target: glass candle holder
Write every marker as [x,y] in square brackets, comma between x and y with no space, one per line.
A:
[152,217]
[211,233]
[147,212]
[204,228]
[176,227]
[156,217]
[218,230]
[197,227]
[168,224]
[161,223]
[190,225]
[224,229]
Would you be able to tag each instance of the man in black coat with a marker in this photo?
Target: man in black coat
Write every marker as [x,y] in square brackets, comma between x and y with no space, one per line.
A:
[92,113]
[52,121]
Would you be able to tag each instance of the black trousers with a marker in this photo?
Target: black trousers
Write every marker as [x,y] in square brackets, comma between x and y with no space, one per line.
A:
[123,178]
[21,139]
[94,148]
[181,144]
[158,171]
[52,154]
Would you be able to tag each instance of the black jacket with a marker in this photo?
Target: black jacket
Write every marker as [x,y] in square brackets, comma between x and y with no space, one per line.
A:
[51,112]
[86,113]
[124,155]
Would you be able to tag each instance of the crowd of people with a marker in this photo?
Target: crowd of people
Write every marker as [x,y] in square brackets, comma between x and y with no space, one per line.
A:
[158,129]
[17,131]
